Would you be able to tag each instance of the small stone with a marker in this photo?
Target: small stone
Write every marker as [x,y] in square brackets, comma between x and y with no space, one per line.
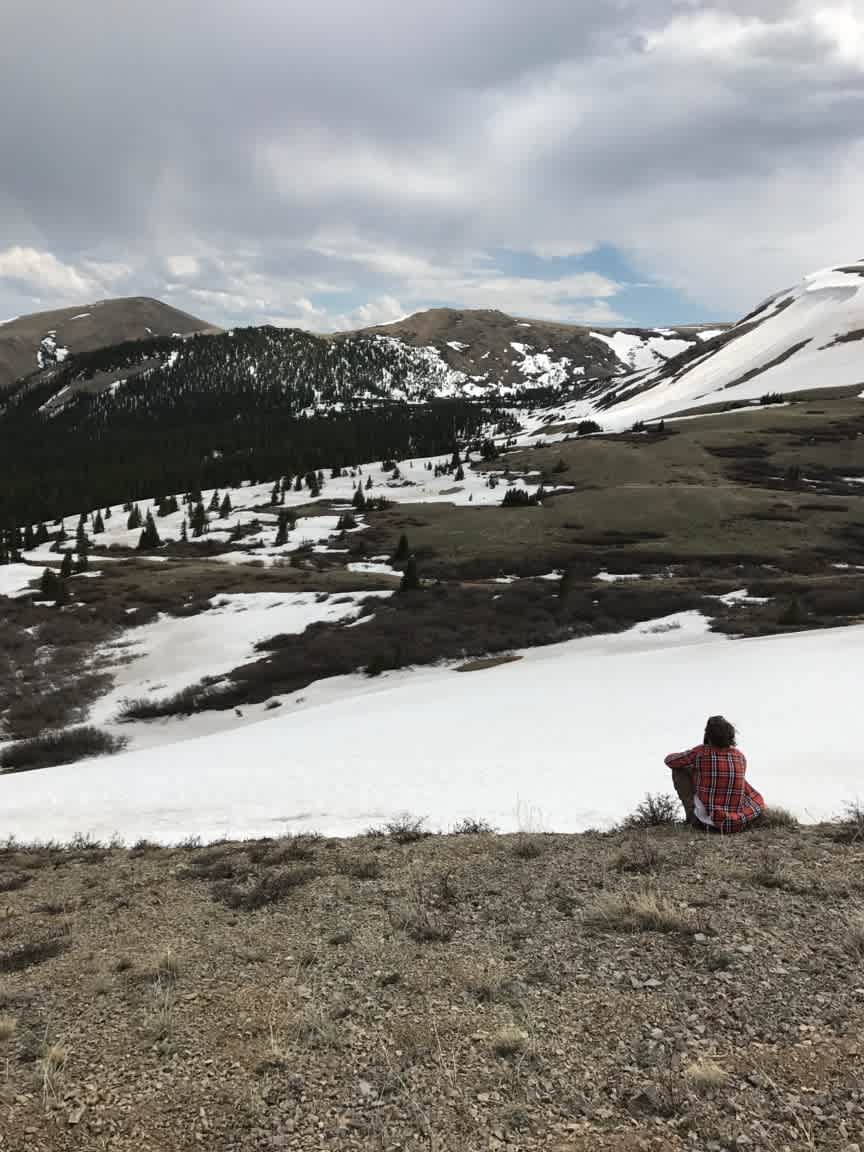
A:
[746,949]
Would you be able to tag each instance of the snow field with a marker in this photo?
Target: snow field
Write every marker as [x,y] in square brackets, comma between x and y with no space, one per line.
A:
[574,733]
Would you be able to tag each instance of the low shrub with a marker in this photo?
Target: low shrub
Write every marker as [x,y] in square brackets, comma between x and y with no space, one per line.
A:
[473,826]
[271,888]
[656,811]
[195,698]
[773,817]
[30,954]
[59,748]
[404,829]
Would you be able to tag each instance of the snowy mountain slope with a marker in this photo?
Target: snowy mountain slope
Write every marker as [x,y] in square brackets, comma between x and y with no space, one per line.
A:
[339,763]
[44,340]
[809,337]
[485,350]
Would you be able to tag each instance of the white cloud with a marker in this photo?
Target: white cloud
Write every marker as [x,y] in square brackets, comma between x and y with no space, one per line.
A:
[842,25]
[719,144]
[316,166]
[42,272]
[382,310]
[183,267]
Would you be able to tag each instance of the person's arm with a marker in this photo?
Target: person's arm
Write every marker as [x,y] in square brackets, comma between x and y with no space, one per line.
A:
[681,759]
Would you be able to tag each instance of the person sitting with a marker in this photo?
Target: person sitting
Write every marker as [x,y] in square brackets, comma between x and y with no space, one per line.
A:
[710,783]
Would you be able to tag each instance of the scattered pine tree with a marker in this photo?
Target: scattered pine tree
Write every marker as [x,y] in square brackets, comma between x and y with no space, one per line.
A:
[402,550]
[286,524]
[410,577]
[48,584]
[149,538]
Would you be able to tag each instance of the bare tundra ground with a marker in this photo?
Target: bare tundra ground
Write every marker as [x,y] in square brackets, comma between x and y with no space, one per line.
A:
[638,990]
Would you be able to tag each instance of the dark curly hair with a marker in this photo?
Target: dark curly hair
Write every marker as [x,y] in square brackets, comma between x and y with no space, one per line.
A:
[719,733]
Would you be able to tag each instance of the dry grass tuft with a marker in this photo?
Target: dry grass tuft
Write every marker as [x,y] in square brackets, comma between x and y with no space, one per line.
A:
[167,966]
[854,936]
[366,868]
[30,954]
[637,912]
[510,1041]
[14,882]
[53,1064]
[777,818]
[271,888]
[528,846]
[771,872]
[705,1075]
[640,856]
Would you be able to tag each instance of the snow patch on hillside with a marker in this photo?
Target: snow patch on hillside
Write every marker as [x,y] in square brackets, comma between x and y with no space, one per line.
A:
[159,659]
[525,736]
[637,352]
[797,340]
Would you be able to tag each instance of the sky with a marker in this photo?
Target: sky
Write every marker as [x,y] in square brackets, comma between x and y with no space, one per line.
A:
[333,165]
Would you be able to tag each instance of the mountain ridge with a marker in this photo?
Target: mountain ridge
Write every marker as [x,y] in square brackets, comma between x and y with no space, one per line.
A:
[41,340]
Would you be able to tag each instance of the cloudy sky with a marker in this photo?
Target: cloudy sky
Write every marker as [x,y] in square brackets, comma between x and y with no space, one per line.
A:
[336,163]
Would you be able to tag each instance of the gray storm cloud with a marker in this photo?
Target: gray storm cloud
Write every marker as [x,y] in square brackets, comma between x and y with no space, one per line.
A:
[248,160]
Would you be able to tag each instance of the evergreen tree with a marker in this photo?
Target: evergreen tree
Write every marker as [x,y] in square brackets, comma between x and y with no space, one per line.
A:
[66,568]
[359,500]
[225,507]
[313,484]
[346,522]
[460,473]
[41,534]
[274,495]
[410,578]
[368,483]
[198,520]
[150,536]
[298,483]
[98,523]
[48,584]
[62,595]
[107,513]
[214,501]
[402,550]
[184,532]
[29,538]
[286,524]
[134,520]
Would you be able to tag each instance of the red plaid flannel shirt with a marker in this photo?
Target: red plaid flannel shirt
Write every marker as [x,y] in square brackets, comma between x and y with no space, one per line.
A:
[718,781]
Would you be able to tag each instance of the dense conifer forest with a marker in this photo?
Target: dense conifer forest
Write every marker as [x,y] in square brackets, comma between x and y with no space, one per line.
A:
[148,418]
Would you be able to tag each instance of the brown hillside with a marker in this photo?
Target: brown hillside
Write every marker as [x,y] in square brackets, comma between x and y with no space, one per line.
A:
[86,328]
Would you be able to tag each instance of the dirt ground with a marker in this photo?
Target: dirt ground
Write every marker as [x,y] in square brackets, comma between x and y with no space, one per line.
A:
[649,989]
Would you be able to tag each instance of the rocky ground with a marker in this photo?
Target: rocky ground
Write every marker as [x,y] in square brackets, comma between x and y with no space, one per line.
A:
[635,990]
